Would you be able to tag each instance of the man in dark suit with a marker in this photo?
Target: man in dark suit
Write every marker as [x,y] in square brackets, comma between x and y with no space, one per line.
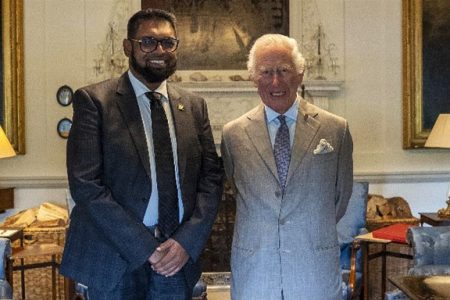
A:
[117,243]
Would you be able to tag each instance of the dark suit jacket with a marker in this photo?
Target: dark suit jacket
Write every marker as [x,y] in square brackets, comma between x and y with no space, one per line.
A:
[109,179]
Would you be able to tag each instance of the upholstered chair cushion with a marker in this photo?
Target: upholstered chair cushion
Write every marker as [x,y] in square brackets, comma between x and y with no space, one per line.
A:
[5,252]
[353,222]
[431,247]
[431,250]
[396,295]
[429,270]
[350,225]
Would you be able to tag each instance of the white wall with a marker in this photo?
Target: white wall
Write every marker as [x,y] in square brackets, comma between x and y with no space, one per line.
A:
[373,106]
[61,41]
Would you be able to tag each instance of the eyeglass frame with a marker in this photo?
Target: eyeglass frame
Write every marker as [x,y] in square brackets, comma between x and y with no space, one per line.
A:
[158,42]
[281,71]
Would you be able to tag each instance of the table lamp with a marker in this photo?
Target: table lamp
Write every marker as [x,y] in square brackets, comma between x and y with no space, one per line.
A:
[6,150]
[440,138]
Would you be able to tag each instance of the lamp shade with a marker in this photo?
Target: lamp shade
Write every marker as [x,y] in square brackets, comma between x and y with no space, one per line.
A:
[6,150]
[440,134]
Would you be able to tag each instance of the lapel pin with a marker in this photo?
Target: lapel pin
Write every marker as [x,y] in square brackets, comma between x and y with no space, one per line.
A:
[180,107]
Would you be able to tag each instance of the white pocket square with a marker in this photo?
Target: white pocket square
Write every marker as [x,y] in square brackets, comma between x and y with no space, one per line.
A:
[323,147]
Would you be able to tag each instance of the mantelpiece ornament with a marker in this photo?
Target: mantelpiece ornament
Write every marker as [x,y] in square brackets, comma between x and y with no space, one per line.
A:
[315,45]
[445,212]
[111,61]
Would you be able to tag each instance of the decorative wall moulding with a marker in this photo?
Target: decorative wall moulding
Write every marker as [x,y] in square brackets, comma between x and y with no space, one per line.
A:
[403,177]
[35,181]
[313,88]
[371,177]
[322,88]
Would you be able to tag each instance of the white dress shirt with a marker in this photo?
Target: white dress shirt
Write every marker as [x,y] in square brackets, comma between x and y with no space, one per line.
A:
[151,214]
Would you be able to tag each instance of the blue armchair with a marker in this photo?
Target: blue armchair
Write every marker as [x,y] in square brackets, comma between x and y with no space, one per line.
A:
[431,248]
[5,252]
[352,224]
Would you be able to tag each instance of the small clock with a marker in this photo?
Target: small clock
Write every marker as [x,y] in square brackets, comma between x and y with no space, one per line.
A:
[63,127]
[64,95]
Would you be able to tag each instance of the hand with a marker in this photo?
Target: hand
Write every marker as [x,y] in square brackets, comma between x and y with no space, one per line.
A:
[169,258]
[156,256]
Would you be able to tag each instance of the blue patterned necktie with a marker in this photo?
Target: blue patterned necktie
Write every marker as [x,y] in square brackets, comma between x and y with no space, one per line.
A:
[282,151]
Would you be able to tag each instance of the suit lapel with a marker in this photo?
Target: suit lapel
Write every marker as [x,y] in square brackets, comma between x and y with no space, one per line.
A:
[129,108]
[259,136]
[181,122]
[305,131]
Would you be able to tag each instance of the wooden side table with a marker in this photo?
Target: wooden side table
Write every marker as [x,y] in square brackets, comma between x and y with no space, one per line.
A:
[365,241]
[32,251]
[12,233]
[433,219]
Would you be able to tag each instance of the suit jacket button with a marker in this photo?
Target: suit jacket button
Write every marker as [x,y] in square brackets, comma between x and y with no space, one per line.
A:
[278,194]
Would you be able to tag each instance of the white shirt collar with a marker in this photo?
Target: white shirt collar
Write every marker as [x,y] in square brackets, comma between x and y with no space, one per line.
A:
[291,113]
[140,88]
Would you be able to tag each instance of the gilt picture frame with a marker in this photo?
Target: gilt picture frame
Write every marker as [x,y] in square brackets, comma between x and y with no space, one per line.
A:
[426,68]
[12,100]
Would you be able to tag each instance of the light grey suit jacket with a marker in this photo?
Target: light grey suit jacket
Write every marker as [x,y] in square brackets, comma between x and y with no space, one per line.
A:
[288,242]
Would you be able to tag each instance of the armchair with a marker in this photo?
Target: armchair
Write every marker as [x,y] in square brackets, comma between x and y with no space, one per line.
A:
[352,224]
[431,248]
[5,252]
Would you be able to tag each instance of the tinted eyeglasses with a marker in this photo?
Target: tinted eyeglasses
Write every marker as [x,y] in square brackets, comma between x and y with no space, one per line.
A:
[149,44]
[281,71]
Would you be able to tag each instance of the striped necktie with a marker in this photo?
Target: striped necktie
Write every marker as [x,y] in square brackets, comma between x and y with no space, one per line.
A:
[165,169]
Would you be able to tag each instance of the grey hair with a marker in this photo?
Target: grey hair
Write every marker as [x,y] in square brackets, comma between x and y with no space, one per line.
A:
[271,39]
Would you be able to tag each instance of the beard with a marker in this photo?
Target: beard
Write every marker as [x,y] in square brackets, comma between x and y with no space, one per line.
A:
[151,74]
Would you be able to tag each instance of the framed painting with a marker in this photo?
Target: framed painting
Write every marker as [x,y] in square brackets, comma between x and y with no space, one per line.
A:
[426,67]
[217,34]
[12,79]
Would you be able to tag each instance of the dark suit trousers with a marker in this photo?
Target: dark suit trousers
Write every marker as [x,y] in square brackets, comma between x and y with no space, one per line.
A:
[145,284]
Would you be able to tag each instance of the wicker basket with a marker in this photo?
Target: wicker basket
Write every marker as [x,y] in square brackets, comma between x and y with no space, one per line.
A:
[38,282]
[395,266]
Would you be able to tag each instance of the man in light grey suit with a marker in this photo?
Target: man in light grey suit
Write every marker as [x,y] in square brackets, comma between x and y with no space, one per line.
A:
[291,166]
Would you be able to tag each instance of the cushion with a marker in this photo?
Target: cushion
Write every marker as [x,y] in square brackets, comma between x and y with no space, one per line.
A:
[352,222]
[355,216]
[442,249]
[396,295]
[429,270]
[431,245]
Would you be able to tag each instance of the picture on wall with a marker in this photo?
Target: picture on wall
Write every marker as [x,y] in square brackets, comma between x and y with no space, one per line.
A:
[218,34]
[426,67]
[436,60]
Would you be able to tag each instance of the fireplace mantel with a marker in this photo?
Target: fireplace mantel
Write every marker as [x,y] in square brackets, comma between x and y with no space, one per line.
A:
[319,91]
[313,87]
